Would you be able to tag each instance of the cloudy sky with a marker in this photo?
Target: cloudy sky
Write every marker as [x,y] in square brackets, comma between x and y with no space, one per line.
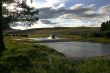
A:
[70,13]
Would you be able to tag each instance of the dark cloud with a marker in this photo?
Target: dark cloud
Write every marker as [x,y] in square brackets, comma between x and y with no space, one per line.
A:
[76,11]
[47,22]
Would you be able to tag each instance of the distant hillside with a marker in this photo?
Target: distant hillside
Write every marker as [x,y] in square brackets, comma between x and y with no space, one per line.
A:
[59,30]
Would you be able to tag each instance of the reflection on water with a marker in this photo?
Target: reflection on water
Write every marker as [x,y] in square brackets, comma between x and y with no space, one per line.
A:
[80,49]
[43,38]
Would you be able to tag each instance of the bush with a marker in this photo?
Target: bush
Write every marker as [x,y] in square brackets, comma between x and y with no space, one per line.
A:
[106,34]
[84,36]
[97,34]
[101,34]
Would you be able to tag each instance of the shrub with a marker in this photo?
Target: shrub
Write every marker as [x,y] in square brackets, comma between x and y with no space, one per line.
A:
[106,34]
[97,34]
[84,36]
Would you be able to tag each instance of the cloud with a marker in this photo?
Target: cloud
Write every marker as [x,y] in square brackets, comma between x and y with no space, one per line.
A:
[47,22]
[57,15]
[49,3]
[81,11]
[76,11]
[45,13]
[58,5]
[104,9]
[92,17]
[82,7]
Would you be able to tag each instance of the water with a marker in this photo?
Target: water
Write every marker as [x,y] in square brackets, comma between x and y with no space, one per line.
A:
[44,39]
[80,49]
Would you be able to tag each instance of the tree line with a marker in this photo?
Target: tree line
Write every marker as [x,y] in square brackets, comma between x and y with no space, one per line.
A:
[104,30]
[105,26]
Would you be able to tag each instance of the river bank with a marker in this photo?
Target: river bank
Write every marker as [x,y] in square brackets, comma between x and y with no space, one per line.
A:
[86,39]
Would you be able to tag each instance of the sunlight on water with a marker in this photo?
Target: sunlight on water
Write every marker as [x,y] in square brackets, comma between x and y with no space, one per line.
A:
[43,38]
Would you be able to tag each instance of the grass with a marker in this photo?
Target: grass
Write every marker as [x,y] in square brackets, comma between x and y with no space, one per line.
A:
[94,65]
[38,35]
[27,57]
[99,40]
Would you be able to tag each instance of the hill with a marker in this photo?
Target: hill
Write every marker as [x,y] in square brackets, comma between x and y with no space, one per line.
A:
[58,30]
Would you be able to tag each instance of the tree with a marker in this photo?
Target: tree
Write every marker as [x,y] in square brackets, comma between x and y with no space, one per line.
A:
[105,26]
[1,29]
[22,12]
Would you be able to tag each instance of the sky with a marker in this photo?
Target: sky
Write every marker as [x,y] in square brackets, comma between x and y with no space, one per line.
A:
[70,13]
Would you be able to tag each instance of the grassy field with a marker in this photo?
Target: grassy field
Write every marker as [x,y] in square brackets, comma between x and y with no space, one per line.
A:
[27,57]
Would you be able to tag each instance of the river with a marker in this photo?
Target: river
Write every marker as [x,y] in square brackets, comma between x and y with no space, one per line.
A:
[80,49]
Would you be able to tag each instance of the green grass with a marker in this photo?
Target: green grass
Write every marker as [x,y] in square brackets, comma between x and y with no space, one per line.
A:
[99,40]
[94,65]
[26,57]
[38,35]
